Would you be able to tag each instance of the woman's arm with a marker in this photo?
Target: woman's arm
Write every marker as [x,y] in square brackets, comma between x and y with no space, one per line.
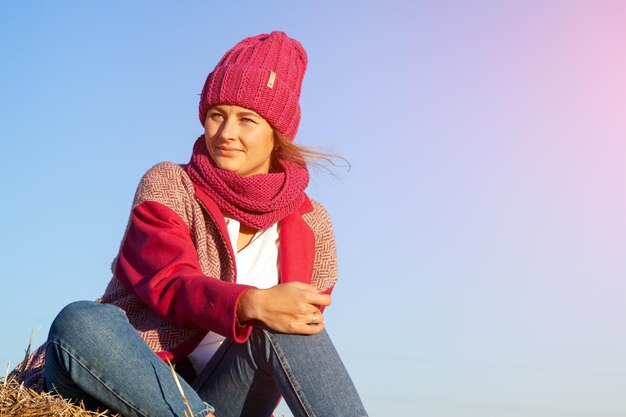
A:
[293,307]
[158,260]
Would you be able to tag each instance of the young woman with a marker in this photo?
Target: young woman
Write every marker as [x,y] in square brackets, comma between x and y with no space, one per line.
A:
[224,270]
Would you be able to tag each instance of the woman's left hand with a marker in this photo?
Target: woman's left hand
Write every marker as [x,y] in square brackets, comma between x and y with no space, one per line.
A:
[292,307]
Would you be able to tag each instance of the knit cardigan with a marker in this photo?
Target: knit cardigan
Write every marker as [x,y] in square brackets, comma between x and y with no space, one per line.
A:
[175,274]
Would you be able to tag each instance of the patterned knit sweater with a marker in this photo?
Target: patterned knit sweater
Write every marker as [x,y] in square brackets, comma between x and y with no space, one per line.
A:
[175,275]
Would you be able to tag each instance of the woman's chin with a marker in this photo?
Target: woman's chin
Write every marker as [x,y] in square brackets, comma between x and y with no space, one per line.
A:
[227,164]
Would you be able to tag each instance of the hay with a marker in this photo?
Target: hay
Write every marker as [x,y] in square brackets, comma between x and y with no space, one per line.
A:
[17,400]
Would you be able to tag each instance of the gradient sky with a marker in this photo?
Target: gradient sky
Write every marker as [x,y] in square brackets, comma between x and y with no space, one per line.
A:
[481,230]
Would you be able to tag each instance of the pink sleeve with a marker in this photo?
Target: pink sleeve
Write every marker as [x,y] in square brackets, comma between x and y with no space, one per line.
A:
[158,262]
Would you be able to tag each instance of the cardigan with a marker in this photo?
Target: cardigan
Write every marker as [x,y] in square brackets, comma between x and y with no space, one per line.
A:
[175,275]
[257,265]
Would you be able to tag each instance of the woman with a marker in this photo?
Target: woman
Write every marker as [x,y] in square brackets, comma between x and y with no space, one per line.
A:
[224,270]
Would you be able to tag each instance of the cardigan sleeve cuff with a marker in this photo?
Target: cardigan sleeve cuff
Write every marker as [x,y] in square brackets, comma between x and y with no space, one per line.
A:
[243,330]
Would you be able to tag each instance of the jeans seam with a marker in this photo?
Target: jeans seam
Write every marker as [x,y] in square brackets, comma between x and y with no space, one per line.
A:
[306,406]
[108,388]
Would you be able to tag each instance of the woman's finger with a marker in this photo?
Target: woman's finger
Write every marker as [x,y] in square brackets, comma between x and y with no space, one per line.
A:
[310,293]
[316,317]
[318,299]
[311,328]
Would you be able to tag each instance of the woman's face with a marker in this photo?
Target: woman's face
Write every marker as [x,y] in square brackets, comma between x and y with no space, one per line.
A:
[238,139]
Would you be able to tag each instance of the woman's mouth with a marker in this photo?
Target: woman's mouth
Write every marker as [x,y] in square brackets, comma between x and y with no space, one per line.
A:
[226,150]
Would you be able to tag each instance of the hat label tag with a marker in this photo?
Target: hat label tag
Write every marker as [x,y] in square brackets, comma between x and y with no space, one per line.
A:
[270,81]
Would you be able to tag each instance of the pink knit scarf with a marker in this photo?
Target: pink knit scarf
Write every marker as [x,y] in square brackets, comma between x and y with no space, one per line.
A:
[257,200]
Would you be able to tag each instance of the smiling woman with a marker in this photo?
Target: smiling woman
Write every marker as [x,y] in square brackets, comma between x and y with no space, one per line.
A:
[225,270]
[238,140]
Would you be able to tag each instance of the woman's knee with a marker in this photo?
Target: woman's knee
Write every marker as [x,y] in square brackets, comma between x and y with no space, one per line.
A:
[81,318]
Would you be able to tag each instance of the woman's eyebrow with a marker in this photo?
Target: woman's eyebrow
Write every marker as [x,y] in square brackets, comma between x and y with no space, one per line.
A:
[247,114]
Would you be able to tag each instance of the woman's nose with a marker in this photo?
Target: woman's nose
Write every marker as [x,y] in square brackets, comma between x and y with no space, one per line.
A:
[228,129]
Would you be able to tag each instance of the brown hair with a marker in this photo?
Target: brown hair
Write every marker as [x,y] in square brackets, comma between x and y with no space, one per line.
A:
[302,155]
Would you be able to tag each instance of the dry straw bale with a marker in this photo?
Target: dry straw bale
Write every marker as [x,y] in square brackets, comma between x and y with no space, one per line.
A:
[17,400]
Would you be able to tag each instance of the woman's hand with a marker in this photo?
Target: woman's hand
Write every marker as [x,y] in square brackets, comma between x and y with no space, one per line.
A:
[293,307]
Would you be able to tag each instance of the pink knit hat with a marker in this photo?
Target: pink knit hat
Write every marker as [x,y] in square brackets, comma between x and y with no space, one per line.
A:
[262,73]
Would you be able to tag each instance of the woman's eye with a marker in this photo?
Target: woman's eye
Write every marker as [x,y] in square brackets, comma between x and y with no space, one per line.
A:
[248,120]
[216,116]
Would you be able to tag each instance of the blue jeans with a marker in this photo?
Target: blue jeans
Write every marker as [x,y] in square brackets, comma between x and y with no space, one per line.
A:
[94,355]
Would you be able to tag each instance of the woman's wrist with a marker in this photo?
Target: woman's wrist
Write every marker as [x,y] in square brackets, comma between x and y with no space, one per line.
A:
[246,307]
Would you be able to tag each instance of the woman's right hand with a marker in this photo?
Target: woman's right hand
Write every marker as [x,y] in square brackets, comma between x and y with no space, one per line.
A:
[293,307]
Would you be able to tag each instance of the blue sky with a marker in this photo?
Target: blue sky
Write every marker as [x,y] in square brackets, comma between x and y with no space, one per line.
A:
[481,227]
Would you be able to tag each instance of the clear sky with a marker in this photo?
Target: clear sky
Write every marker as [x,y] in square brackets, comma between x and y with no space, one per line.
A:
[481,230]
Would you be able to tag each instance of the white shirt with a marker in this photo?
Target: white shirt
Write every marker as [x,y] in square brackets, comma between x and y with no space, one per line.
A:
[257,265]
